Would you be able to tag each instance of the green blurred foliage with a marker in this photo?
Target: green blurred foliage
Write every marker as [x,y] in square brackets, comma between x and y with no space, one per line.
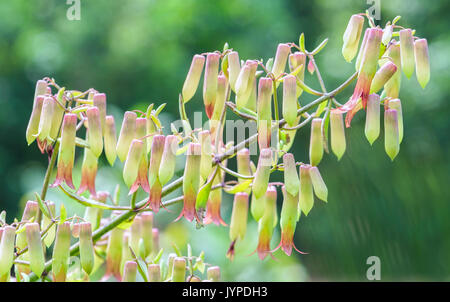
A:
[138,52]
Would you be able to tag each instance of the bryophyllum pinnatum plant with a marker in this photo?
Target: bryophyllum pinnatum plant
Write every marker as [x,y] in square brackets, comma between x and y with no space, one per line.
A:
[47,244]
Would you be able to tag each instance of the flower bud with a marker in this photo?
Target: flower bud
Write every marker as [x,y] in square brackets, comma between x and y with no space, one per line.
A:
[290,100]
[243,165]
[88,172]
[153,178]
[210,82]
[141,131]
[288,220]
[219,107]
[213,273]
[338,143]
[179,269]
[281,57]
[267,223]
[154,273]
[30,212]
[41,88]
[99,101]
[244,83]
[291,180]
[114,252]
[8,234]
[66,154]
[142,178]
[295,60]
[262,173]
[95,131]
[129,271]
[311,67]
[191,181]
[86,247]
[214,202]
[193,78]
[251,102]
[234,68]
[110,139]
[238,223]
[131,166]
[316,142]
[50,237]
[127,134]
[407,51]
[206,156]
[306,200]
[147,232]
[422,62]
[372,128]
[33,124]
[397,105]
[264,112]
[382,76]
[392,86]
[320,188]
[61,252]
[45,122]
[352,36]
[35,250]
[391,136]
[168,159]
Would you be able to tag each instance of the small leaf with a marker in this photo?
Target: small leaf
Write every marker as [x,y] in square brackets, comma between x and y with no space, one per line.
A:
[225,46]
[320,47]
[63,214]
[158,256]
[42,207]
[142,269]
[176,249]
[396,19]
[116,195]
[156,121]
[269,64]
[3,217]
[301,42]
[199,265]
[225,66]
[182,150]
[159,109]
[126,224]
[203,193]
[149,110]
[297,70]
[241,187]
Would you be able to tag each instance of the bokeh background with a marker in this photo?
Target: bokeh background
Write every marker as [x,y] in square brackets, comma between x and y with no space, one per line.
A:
[138,52]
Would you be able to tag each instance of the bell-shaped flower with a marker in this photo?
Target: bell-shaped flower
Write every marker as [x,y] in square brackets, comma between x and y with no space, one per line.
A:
[193,78]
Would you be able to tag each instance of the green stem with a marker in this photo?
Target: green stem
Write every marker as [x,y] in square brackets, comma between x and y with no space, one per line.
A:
[48,174]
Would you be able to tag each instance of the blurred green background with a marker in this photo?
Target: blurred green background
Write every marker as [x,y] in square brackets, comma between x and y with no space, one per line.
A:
[138,52]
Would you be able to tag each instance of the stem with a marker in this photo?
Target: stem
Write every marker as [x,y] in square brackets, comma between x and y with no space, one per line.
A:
[48,174]
[133,200]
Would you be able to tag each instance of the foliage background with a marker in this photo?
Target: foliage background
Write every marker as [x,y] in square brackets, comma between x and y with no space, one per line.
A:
[138,52]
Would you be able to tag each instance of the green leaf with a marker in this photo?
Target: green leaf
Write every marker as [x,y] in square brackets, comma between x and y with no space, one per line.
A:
[142,269]
[225,66]
[320,47]
[159,109]
[116,195]
[158,256]
[176,249]
[203,193]
[42,207]
[325,127]
[241,187]
[182,150]
[199,265]
[63,214]
[3,217]
[301,42]
[126,224]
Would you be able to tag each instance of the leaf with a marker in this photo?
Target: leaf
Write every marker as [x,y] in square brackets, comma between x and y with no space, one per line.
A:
[269,64]
[149,110]
[248,112]
[203,193]
[126,224]
[226,46]
[159,109]
[158,256]
[320,47]
[63,214]
[396,20]
[42,206]
[116,195]
[301,42]
[239,187]
[142,269]
[199,265]
[176,249]
[182,150]
[325,127]
[189,250]
[225,66]
[3,217]
[297,70]
[156,121]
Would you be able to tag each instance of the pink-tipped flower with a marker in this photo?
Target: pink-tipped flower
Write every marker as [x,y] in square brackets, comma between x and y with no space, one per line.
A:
[366,72]
[320,188]
[338,144]
[234,68]
[238,224]
[153,178]
[244,83]
[33,123]
[179,269]
[213,273]
[86,247]
[422,62]
[61,252]
[264,112]
[88,172]
[407,51]
[35,250]
[382,76]
[291,180]
[306,200]
[295,60]
[193,78]
[99,101]
[168,159]
[127,134]
[316,142]
[281,57]
[290,100]
[210,82]
[8,235]
[131,166]
[95,137]
[129,271]
[147,232]
[110,139]
[372,128]
[45,123]
[392,86]
[397,105]
[262,173]
[58,114]
[114,253]
[352,36]
[66,154]
[154,273]
[391,136]
[141,131]
[214,202]
[191,181]
[41,88]
[251,102]
[204,138]
[214,123]
[267,223]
